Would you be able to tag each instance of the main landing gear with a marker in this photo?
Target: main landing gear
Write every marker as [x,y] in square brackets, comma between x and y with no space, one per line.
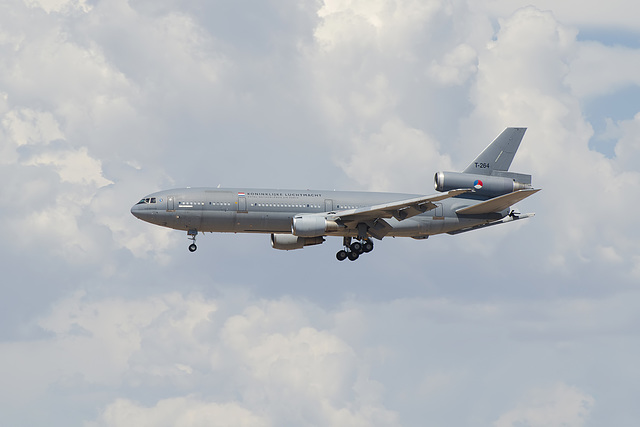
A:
[192,236]
[355,249]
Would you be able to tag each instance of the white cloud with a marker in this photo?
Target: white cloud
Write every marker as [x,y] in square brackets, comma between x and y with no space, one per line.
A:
[559,405]
[76,166]
[260,363]
[383,24]
[613,14]
[27,126]
[456,66]
[60,182]
[598,70]
[288,361]
[304,362]
[178,412]
[37,130]
[397,158]
[521,73]
[368,68]
[59,5]
[89,120]
[628,147]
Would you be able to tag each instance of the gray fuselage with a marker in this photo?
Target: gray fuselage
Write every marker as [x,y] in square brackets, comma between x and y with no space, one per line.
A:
[250,210]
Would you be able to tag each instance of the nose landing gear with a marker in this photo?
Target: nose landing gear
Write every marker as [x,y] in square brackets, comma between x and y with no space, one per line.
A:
[355,249]
[192,236]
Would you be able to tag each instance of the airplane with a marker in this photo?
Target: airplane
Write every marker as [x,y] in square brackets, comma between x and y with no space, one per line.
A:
[480,196]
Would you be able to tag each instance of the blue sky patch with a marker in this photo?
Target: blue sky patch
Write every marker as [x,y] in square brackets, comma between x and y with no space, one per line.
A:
[623,104]
[610,37]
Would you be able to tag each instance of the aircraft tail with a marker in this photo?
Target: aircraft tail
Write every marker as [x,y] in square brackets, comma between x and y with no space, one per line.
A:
[489,174]
[497,157]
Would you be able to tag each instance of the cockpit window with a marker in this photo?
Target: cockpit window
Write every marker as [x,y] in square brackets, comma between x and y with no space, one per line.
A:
[147,200]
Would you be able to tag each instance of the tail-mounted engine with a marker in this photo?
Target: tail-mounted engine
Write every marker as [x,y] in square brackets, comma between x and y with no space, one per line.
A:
[288,242]
[487,185]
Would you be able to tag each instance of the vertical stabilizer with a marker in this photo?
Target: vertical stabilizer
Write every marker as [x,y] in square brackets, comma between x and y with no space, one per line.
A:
[499,154]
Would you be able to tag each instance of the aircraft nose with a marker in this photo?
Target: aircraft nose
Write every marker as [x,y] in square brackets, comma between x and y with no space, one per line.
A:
[143,212]
[137,211]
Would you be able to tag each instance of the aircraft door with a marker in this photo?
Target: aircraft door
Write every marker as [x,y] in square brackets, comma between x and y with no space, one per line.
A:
[171,204]
[328,205]
[242,203]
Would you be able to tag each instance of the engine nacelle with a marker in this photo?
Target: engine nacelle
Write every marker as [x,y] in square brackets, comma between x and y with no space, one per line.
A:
[312,226]
[288,242]
[487,185]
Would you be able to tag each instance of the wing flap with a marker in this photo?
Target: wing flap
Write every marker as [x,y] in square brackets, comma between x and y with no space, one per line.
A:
[497,204]
[378,228]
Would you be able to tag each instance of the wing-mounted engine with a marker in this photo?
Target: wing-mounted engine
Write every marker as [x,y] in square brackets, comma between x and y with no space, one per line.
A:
[496,184]
[312,225]
[288,242]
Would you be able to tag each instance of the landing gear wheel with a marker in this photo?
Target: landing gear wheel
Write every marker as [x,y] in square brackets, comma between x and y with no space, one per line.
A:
[353,256]
[367,246]
[191,235]
[341,255]
[356,247]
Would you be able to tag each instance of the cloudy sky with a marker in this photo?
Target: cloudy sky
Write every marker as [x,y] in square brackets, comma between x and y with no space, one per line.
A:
[109,321]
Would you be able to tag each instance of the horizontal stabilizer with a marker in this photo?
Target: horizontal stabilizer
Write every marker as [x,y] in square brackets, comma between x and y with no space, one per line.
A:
[497,204]
[504,220]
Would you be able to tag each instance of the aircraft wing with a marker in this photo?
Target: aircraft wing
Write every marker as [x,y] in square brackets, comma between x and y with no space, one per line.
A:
[497,203]
[400,210]
[373,216]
